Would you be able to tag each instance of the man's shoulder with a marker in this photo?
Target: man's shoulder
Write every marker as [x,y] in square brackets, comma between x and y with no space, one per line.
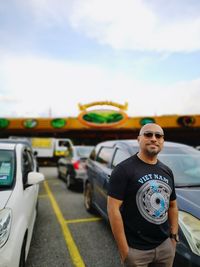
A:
[164,166]
[127,162]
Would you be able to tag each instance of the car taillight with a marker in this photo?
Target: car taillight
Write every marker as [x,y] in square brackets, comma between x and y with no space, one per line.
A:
[76,165]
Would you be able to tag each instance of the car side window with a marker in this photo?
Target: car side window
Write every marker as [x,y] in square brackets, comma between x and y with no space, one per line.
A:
[7,167]
[27,164]
[93,154]
[105,155]
[30,156]
[119,156]
[70,152]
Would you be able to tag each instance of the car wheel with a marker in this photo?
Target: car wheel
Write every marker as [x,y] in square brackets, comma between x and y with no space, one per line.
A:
[88,203]
[22,260]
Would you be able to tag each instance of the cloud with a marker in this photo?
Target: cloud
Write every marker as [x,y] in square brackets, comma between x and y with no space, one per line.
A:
[188,94]
[136,25]
[39,85]
[142,25]
[49,12]
[8,99]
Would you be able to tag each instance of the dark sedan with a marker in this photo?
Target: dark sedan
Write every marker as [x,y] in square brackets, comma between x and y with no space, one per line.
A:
[185,163]
[72,168]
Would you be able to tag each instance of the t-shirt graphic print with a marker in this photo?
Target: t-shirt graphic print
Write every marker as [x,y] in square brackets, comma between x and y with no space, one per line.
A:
[153,201]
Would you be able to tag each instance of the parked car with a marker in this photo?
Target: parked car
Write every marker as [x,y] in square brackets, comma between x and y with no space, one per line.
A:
[25,141]
[19,186]
[197,147]
[72,168]
[185,163]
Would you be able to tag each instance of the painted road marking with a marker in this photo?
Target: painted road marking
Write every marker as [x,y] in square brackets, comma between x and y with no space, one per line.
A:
[94,219]
[73,250]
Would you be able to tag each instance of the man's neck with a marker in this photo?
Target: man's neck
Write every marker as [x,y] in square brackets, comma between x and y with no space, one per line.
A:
[147,159]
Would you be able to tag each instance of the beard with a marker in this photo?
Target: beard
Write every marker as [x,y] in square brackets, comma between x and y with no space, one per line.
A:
[152,151]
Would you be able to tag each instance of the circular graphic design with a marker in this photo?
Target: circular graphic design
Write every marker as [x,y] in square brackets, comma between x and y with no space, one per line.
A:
[153,201]
[30,123]
[58,123]
[4,123]
[144,121]
[186,121]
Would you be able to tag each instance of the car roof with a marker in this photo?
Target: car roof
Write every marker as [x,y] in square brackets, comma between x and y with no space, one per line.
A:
[134,142]
[7,146]
[80,146]
[16,141]
[12,143]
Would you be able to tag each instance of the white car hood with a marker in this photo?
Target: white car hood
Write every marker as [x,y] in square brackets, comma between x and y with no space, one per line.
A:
[4,196]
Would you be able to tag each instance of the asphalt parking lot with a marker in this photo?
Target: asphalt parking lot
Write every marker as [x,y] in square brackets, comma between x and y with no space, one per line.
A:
[65,234]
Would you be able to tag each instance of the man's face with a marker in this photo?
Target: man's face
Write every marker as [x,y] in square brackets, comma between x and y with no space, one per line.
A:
[151,139]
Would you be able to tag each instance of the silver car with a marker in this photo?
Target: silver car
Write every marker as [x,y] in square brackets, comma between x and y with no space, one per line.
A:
[72,168]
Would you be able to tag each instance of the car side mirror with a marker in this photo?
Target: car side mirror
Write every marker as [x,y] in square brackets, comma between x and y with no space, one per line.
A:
[35,178]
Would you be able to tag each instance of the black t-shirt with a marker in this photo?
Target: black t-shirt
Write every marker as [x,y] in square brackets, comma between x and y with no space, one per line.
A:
[146,190]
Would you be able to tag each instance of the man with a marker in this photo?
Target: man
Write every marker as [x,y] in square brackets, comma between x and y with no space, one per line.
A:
[142,206]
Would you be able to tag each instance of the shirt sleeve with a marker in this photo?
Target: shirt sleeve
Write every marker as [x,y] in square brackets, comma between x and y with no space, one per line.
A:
[118,183]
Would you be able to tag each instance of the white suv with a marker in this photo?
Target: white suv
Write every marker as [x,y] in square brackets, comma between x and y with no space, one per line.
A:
[19,186]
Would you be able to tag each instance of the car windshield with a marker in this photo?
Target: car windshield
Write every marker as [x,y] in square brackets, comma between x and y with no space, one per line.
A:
[84,151]
[185,164]
[7,163]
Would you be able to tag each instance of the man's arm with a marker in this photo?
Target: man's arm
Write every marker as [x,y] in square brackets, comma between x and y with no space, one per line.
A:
[173,217]
[117,226]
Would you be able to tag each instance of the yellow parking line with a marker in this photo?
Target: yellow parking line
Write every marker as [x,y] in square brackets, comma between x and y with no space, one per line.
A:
[94,219]
[73,250]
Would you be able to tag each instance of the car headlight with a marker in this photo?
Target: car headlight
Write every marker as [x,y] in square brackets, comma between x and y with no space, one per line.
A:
[190,226]
[5,224]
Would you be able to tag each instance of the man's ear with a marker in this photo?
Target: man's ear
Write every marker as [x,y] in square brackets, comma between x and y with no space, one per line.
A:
[138,139]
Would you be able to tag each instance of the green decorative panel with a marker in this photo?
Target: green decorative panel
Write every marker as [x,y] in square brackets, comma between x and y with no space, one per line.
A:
[146,120]
[58,123]
[102,118]
[4,123]
[30,123]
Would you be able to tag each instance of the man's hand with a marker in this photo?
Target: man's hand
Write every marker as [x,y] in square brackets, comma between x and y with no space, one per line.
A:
[124,255]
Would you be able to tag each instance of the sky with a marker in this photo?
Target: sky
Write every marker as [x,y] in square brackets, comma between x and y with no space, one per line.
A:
[55,54]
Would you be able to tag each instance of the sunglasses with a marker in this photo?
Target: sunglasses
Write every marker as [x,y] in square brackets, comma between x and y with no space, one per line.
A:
[151,134]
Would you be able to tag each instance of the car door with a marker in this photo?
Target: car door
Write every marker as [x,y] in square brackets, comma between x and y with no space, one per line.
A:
[30,192]
[103,172]
[62,166]
[65,163]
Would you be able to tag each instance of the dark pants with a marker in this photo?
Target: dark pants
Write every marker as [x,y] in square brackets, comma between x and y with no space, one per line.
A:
[161,256]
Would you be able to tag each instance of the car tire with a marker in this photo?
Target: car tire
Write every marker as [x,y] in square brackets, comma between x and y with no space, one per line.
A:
[88,202]
[22,261]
